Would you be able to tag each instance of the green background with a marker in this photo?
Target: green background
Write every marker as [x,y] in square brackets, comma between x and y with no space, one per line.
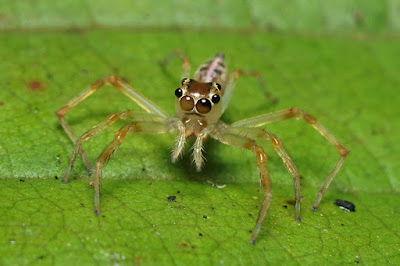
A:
[338,60]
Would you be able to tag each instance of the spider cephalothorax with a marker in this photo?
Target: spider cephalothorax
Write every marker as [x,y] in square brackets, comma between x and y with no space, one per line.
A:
[199,104]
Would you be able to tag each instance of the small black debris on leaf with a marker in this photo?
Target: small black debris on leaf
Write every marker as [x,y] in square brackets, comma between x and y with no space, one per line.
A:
[200,234]
[56,177]
[284,206]
[345,205]
[204,217]
[171,198]
[178,192]
[22,180]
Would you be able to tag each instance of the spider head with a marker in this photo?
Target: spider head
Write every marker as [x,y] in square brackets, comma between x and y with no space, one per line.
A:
[198,99]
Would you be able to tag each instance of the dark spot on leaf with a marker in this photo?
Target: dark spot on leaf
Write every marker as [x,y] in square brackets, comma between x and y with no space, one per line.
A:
[212,208]
[35,85]
[22,180]
[284,206]
[204,217]
[345,205]
[200,234]
[178,192]
[1,103]
[356,261]
[186,245]
[342,224]
[56,177]
[41,257]
[82,205]
[103,216]
[151,183]
[171,198]
[250,215]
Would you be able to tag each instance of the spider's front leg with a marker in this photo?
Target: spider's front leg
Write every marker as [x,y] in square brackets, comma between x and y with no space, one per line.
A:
[118,84]
[247,143]
[169,125]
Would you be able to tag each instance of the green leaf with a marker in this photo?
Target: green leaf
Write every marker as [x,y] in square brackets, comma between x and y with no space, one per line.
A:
[348,83]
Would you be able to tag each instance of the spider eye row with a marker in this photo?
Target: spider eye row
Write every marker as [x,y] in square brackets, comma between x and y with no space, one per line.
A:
[203,105]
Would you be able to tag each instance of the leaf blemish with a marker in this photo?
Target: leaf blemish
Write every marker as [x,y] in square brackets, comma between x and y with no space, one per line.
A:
[35,85]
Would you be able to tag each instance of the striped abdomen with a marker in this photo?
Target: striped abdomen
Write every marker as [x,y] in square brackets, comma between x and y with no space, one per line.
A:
[213,70]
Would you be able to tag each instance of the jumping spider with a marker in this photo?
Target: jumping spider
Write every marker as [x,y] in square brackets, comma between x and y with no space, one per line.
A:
[199,104]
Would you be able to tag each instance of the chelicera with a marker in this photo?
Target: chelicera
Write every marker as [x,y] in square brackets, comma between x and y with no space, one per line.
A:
[199,103]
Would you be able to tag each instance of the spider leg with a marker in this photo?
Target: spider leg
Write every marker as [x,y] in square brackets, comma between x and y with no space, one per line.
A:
[198,157]
[111,119]
[180,143]
[183,58]
[248,143]
[147,127]
[287,161]
[231,83]
[298,113]
[120,85]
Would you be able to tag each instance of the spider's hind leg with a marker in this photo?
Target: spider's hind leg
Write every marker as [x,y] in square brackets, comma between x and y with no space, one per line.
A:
[185,62]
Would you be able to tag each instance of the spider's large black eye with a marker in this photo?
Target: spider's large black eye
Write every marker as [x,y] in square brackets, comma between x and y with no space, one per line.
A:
[187,103]
[218,85]
[203,106]
[178,92]
[215,98]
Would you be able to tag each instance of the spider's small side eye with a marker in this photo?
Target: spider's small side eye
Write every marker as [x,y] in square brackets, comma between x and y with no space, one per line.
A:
[178,92]
[203,106]
[215,98]
[218,86]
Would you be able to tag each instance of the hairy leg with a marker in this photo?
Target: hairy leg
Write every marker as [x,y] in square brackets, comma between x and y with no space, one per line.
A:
[111,119]
[247,143]
[231,83]
[297,114]
[117,83]
[287,161]
[185,62]
[147,127]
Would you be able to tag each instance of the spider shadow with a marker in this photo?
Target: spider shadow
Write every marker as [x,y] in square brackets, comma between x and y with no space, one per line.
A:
[213,169]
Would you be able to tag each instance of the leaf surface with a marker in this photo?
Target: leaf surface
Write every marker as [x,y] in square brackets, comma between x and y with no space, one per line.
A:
[348,83]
